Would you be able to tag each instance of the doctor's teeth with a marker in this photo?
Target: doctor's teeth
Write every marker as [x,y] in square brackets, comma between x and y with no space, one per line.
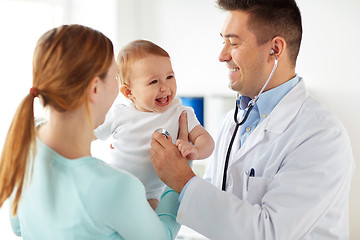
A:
[233,69]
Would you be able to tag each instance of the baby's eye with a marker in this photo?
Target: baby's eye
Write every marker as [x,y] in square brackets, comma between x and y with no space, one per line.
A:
[170,77]
[153,82]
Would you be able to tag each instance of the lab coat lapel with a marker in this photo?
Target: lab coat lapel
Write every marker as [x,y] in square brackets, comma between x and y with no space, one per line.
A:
[276,122]
[290,104]
[238,152]
[250,142]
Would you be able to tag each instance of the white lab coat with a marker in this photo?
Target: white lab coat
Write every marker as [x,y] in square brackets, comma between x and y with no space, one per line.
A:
[303,167]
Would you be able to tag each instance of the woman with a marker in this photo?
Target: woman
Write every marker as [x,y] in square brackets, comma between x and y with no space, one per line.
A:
[57,190]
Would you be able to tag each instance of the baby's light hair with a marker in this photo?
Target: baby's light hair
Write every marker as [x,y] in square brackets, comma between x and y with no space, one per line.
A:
[133,52]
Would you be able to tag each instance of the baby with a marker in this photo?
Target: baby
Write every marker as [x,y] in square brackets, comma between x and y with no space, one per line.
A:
[148,80]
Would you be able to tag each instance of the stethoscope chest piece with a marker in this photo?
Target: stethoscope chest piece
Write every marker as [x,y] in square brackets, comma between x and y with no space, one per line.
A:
[163,132]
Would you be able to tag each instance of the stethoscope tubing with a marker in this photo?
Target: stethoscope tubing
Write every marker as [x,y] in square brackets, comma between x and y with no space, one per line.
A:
[226,164]
[232,141]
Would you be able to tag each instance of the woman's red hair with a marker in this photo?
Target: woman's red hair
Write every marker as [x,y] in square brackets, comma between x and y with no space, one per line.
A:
[66,59]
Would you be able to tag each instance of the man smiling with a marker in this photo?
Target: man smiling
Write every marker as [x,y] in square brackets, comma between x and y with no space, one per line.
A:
[289,169]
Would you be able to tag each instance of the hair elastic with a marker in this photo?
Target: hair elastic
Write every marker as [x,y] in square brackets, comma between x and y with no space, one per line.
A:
[34,91]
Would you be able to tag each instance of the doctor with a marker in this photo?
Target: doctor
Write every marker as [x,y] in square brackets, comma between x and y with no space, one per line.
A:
[290,164]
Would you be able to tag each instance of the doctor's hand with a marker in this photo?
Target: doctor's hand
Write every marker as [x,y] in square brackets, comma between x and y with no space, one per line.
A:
[171,167]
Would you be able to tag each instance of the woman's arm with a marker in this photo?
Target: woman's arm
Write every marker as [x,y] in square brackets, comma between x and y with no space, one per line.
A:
[125,210]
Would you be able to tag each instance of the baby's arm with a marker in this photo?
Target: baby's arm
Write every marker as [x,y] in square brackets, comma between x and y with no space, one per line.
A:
[202,146]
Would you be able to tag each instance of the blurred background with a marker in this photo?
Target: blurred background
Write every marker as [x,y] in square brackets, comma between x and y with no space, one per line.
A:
[189,31]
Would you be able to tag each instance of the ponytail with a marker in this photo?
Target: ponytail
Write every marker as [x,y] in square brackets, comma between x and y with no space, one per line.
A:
[66,59]
[18,150]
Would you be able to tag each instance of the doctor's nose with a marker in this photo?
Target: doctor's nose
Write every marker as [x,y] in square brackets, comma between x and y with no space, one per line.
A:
[225,54]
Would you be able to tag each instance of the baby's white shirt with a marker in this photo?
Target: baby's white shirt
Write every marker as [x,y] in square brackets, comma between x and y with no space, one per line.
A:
[131,132]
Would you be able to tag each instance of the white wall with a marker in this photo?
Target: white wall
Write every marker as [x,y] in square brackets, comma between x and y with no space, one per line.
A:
[189,31]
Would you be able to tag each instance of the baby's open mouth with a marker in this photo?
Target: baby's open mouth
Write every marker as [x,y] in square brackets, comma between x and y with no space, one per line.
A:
[163,100]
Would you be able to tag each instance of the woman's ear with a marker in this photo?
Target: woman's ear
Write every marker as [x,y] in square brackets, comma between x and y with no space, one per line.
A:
[126,91]
[94,89]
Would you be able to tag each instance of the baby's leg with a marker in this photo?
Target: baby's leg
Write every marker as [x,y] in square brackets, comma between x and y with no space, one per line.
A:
[153,203]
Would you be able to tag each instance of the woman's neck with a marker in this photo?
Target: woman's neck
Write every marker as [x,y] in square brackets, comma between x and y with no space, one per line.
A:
[68,133]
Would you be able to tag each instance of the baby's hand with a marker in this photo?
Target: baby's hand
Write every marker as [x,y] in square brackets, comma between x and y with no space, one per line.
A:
[187,149]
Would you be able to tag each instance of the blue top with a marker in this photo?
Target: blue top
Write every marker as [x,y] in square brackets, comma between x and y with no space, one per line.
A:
[263,106]
[86,199]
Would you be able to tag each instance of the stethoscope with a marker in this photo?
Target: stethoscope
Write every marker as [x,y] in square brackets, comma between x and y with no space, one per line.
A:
[238,124]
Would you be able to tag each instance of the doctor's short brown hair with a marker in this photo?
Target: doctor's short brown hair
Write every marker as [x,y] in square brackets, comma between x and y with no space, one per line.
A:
[271,18]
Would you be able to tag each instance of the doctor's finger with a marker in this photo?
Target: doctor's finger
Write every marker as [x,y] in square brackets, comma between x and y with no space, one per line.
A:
[156,146]
[183,127]
[153,153]
[155,158]
[161,139]
[158,153]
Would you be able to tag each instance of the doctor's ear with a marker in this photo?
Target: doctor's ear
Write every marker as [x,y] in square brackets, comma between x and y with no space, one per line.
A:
[126,91]
[278,46]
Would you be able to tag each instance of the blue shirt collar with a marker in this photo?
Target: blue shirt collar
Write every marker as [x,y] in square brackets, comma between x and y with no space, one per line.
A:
[269,99]
[244,102]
